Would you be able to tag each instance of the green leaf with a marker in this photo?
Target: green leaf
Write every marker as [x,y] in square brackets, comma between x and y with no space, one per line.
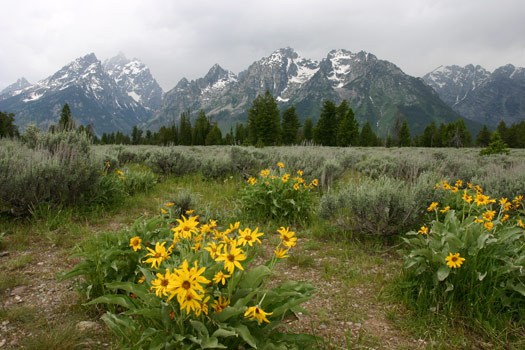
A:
[245,334]
[200,327]
[212,343]
[116,299]
[254,277]
[223,333]
[443,272]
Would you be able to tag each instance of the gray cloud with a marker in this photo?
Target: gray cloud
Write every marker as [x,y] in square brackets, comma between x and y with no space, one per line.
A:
[185,38]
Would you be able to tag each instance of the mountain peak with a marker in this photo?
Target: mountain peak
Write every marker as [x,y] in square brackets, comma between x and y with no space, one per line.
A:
[20,84]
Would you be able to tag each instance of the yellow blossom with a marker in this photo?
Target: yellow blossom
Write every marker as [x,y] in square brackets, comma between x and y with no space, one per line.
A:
[466,197]
[300,172]
[505,218]
[478,220]
[296,186]
[265,172]
[454,260]
[446,186]
[158,255]
[170,204]
[219,304]
[521,224]
[285,177]
[281,253]
[232,258]
[489,215]
[258,313]
[489,225]
[251,181]
[432,206]
[454,189]
[161,284]
[186,227]
[315,182]
[444,210]
[188,212]
[249,236]
[280,165]
[135,243]
[220,277]
[142,279]
[423,230]
[459,183]
[287,237]
[213,249]
[163,211]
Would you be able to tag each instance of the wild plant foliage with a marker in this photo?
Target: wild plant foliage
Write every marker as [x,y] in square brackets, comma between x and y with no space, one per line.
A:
[467,259]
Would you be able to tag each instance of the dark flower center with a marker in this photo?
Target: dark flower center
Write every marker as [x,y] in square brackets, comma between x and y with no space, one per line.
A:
[186,285]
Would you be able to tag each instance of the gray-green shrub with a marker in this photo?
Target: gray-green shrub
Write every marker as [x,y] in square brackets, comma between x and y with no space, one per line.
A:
[383,206]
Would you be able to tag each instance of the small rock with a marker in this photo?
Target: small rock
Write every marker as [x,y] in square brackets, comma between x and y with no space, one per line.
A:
[323,326]
[83,326]
[2,342]
[18,299]
[5,323]
[357,324]
[40,263]
[4,253]
[18,290]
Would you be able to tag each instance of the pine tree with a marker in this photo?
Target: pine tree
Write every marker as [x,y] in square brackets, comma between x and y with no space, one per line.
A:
[201,129]
[326,129]
[185,129]
[367,138]
[136,135]
[66,122]
[429,136]
[7,126]
[308,128]
[347,133]
[483,137]
[290,126]
[214,137]
[263,120]
[403,136]
[240,133]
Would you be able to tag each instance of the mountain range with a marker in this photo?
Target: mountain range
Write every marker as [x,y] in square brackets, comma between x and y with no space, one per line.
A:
[119,93]
[111,96]
[477,94]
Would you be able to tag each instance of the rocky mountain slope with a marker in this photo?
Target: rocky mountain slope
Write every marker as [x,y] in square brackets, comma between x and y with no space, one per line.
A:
[377,90]
[479,95]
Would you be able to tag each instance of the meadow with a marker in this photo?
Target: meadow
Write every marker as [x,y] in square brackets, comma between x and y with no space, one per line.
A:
[281,247]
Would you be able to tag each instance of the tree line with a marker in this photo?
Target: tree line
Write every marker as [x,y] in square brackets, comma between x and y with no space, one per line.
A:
[267,126]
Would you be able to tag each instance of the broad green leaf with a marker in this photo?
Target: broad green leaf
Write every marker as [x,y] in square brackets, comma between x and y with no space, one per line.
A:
[254,277]
[117,299]
[245,334]
[223,333]
[443,272]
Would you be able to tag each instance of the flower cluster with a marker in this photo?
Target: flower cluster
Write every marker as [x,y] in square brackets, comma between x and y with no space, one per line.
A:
[196,266]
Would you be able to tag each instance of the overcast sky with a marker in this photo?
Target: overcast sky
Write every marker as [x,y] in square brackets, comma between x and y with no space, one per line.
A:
[178,38]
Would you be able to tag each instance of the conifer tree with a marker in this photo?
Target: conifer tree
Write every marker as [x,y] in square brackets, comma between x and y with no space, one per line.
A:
[201,129]
[185,129]
[240,133]
[136,135]
[264,120]
[308,128]
[7,126]
[403,136]
[347,127]
[367,138]
[429,136]
[66,121]
[483,137]
[214,137]
[326,129]
[290,126]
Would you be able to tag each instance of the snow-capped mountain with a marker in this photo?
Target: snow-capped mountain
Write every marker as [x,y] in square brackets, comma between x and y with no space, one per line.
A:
[377,90]
[479,95]
[92,94]
[18,85]
[135,80]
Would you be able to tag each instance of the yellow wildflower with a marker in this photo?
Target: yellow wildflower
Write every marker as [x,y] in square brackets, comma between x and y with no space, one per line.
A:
[521,224]
[459,183]
[258,313]
[220,277]
[478,220]
[446,186]
[232,258]
[300,172]
[142,279]
[454,260]
[489,225]
[285,177]
[444,210]
[158,255]
[220,304]
[251,181]
[213,249]
[315,182]
[186,227]
[265,172]
[296,186]
[161,284]
[169,204]
[505,218]
[135,243]
[281,253]
[489,215]
[454,189]
[249,236]
[280,165]
[188,212]
[163,211]
[186,281]
[287,237]
[466,197]
[423,230]
[432,206]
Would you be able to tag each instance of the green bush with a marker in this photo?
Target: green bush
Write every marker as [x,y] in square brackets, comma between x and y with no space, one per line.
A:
[172,162]
[468,261]
[31,177]
[279,195]
[189,294]
[384,206]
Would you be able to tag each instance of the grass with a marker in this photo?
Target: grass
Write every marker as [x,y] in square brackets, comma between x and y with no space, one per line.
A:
[356,273]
